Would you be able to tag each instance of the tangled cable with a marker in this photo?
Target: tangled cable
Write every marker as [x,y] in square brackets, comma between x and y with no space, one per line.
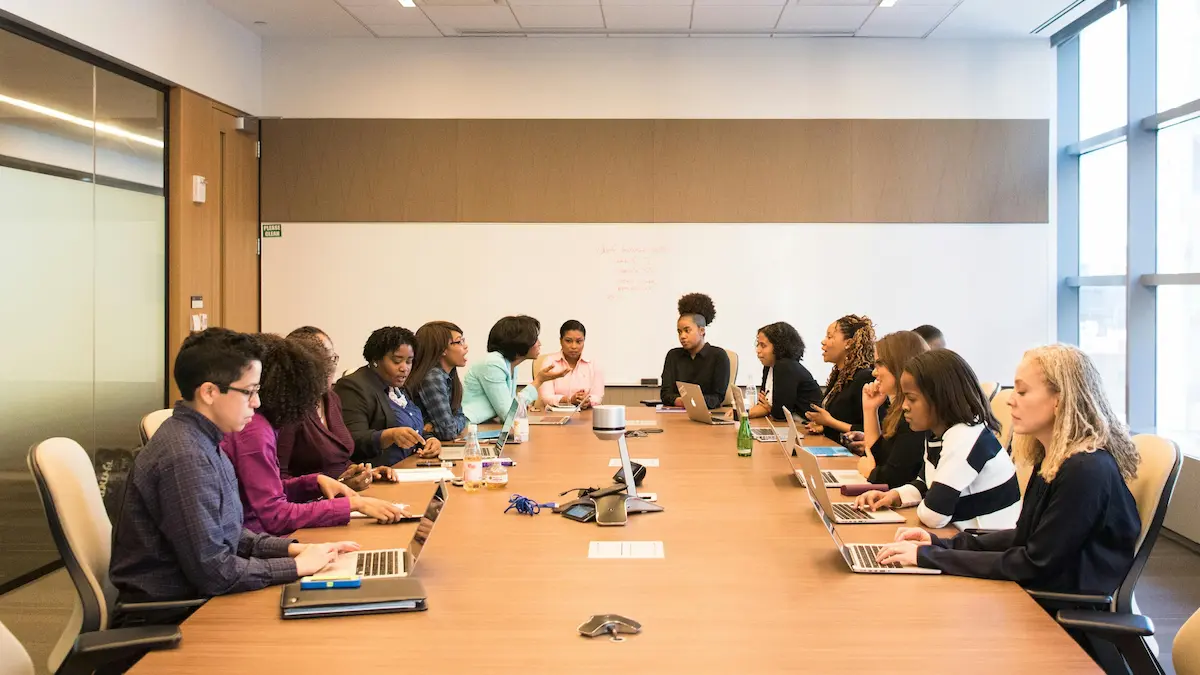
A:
[526,506]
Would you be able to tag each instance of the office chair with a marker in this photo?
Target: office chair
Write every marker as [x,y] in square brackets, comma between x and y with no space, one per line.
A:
[82,532]
[1127,632]
[1000,409]
[14,660]
[989,389]
[733,373]
[1159,469]
[151,423]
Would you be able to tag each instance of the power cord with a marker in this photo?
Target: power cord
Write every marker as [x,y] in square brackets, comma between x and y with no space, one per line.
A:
[527,506]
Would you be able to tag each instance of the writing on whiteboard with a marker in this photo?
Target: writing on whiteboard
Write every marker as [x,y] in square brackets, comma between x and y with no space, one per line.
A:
[633,268]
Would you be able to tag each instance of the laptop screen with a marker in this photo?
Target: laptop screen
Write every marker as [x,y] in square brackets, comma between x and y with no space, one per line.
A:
[505,430]
[425,527]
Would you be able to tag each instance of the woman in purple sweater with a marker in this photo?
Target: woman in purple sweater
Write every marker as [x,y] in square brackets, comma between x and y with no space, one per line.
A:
[293,381]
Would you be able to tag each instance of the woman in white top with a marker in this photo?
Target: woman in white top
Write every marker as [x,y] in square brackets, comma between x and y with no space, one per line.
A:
[583,385]
[968,479]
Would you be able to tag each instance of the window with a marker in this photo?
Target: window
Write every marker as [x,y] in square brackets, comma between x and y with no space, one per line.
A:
[1179,366]
[1102,66]
[1102,336]
[1178,52]
[1102,211]
[1179,198]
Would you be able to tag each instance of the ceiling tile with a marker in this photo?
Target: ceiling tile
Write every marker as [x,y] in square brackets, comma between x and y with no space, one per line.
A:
[299,18]
[409,30]
[553,3]
[745,17]
[982,19]
[387,15]
[742,3]
[569,16]
[367,3]
[647,17]
[453,19]
[838,3]
[645,3]
[903,21]
[811,19]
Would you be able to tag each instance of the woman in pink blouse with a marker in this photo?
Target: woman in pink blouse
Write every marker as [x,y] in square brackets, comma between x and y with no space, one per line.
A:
[584,384]
[293,381]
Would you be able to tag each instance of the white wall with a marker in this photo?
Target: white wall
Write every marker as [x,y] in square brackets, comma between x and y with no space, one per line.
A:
[186,42]
[657,78]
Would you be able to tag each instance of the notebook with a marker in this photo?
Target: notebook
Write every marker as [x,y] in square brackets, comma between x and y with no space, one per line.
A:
[374,596]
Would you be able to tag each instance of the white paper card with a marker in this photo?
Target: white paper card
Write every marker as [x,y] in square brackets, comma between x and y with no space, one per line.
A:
[357,514]
[649,462]
[422,475]
[625,549]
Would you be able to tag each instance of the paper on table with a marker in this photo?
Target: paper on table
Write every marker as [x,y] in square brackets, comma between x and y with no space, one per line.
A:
[668,409]
[431,475]
[625,549]
[649,463]
[359,514]
[640,423]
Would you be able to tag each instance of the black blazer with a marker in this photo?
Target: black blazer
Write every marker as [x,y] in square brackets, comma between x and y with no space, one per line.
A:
[847,405]
[365,410]
[794,388]
[899,459]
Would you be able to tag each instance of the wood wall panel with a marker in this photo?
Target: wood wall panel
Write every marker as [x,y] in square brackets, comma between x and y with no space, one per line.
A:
[752,171]
[826,171]
[359,170]
[938,171]
[239,224]
[561,171]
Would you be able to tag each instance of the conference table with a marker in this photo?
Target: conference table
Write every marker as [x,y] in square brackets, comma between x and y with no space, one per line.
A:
[749,582]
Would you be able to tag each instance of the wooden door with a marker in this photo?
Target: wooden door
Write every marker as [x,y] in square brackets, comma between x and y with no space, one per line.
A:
[238,178]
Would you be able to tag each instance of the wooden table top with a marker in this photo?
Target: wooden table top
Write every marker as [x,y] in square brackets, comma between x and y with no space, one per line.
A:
[750,583]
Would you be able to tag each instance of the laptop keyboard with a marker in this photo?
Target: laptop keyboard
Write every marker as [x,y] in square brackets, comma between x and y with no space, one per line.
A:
[848,512]
[829,477]
[864,555]
[378,563]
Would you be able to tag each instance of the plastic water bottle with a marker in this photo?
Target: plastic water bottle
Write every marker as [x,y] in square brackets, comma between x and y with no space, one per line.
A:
[495,474]
[521,425]
[472,461]
[751,398]
[745,440]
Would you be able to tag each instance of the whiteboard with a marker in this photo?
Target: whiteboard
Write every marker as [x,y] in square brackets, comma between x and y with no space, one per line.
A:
[989,287]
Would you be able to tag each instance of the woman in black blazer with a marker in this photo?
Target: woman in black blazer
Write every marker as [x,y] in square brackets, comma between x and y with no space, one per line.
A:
[786,383]
[849,345]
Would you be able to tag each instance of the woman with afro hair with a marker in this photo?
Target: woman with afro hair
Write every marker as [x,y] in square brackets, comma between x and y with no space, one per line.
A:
[694,360]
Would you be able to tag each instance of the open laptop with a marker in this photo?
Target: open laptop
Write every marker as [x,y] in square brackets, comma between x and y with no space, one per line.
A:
[842,512]
[391,562]
[552,420]
[454,452]
[697,409]
[760,434]
[834,478]
[861,557]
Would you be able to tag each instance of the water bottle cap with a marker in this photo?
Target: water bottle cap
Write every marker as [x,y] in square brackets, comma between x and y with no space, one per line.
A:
[473,428]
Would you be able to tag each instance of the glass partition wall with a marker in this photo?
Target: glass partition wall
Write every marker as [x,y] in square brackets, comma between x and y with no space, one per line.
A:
[82,268]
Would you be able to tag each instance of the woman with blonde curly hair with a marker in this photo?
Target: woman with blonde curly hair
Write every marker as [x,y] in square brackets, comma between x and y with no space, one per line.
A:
[1079,523]
[849,345]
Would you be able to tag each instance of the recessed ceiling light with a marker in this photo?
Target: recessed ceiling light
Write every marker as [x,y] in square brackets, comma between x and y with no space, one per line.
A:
[407,3]
[887,3]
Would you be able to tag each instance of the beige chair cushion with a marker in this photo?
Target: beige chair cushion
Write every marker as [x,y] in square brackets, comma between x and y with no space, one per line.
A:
[1003,413]
[733,373]
[14,660]
[1158,457]
[989,389]
[71,480]
[1186,653]
[151,422]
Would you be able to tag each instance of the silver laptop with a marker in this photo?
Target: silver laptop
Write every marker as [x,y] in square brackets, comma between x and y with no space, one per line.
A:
[697,409]
[760,434]
[834,478]
[842,512]
[454,453]
[551,420]
[391,562]
[861,557]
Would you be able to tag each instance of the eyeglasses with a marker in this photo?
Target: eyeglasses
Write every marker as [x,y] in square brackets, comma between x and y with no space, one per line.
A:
[250,393]
[459,341]
[334,359]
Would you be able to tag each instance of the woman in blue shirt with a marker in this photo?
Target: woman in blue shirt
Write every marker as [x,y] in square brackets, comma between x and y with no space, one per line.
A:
[384,421]
[491,385]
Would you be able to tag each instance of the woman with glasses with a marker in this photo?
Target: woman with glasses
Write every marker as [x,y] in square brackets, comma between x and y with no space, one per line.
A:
[786,383]
[383,420]
[320,441]
[434,382]
[294,378]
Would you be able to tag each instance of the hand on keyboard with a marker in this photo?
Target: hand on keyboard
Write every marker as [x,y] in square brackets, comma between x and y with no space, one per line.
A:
[902,552]
[874,499]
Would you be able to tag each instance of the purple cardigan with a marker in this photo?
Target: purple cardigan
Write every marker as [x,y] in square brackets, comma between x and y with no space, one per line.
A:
[273,505]
[307,446]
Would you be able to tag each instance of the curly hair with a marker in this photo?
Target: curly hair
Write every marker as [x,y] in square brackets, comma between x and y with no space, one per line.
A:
[699,306]
[294,378]
[311,336]
[786,340]
[384,341]
[860,353]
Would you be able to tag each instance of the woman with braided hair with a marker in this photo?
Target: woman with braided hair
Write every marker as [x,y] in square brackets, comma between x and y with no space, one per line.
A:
[849,345]
[695,361]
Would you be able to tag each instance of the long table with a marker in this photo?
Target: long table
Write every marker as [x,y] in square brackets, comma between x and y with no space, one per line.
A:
[750,583]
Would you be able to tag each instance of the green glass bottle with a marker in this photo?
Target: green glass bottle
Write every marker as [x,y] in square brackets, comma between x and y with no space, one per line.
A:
[745,440]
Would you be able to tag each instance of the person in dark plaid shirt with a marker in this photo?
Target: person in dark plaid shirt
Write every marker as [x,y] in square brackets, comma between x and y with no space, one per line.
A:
[180,533]
[433,382]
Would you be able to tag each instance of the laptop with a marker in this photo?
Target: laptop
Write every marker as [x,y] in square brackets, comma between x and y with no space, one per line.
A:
[550,420]
[834,478]
[760,434]
[861,557]
[844,513]
[454,452]
[391,562]
[697,410]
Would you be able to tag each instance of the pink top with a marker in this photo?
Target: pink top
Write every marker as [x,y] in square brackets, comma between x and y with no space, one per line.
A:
[270,504]
[585,376]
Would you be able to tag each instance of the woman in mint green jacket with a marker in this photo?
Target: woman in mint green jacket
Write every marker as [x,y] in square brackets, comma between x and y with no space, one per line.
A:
[491,384]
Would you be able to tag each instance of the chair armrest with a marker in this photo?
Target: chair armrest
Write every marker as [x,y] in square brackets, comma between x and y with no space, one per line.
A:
[135,607]
[116,648]
[1106,624]
[1071,600]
